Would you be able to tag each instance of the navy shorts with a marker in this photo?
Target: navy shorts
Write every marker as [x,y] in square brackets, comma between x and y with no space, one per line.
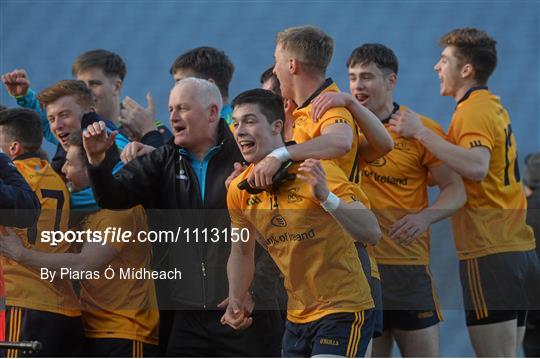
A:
[59,335]
[500,287]
[119,348]
[376,290]
[409,297]
[342,334]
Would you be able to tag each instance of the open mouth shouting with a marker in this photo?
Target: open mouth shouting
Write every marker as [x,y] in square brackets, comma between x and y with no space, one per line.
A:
[246,146]
[362,98]
[63,137]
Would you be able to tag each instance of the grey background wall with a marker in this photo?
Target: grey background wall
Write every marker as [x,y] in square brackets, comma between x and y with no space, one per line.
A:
[44,37]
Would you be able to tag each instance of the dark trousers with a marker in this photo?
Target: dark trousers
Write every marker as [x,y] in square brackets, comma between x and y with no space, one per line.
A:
[199,333]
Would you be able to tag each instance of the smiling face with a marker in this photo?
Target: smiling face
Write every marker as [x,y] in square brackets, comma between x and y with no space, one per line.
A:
[372,87]
[65,116]
[254,135]
[449,71]
[105,90]
[75,170]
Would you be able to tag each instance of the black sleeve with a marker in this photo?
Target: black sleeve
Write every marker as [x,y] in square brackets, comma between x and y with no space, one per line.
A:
[136,183]
[153,138]
[18,203]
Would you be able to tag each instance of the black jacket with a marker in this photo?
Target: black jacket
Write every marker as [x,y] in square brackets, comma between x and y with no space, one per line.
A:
[19,206]
[164,181]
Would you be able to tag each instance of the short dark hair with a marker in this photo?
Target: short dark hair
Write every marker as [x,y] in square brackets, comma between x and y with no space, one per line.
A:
[24,126]
[110,63]
[380,55]
[75,88]
[207,63]
[473,47]
[270,104]
[269,74]
[76,139]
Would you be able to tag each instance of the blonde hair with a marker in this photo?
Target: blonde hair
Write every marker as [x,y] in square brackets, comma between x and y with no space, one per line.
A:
[312,45]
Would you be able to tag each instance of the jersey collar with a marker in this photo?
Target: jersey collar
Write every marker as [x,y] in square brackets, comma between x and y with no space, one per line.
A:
[317,92]
[469,92]
[27,155]
[394,110]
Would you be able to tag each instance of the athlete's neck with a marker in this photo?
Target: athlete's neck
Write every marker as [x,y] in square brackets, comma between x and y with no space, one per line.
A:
[385,111]
[463,90]
[305,87]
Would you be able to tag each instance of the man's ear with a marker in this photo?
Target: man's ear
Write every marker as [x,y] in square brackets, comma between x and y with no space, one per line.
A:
[277,127]
[15,149]
[118,86]
[391,81]
[467,71]
[294,65]
[214,113]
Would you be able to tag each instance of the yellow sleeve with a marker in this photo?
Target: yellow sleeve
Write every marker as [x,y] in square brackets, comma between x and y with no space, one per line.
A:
[335,115]
[472,130]
[428,159]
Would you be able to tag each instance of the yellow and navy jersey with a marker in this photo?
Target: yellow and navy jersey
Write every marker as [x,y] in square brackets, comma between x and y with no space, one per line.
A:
[122,308]
[317,257]
[305,129]
[493,218]
[396,185]
[24,286]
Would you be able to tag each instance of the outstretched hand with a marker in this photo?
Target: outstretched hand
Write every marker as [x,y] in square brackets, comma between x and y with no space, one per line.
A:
[97,141]
[17,82]
[137,119]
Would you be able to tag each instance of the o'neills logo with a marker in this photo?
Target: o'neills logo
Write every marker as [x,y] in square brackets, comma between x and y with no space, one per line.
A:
[385,179]
[379,162]
[327,341]
[278,221]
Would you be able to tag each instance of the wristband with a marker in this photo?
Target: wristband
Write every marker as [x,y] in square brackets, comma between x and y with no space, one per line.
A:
[281,154]
[331,203]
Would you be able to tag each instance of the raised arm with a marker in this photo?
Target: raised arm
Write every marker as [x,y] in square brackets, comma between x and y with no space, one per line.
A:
[134,184]
[472,164]
[378,141]
[17,84]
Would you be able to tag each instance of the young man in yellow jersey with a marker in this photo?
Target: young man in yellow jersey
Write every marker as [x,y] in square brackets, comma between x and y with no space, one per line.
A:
[309,229]
[396,185]
[37,309]
[120,316]
[500,273]
[302,55]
